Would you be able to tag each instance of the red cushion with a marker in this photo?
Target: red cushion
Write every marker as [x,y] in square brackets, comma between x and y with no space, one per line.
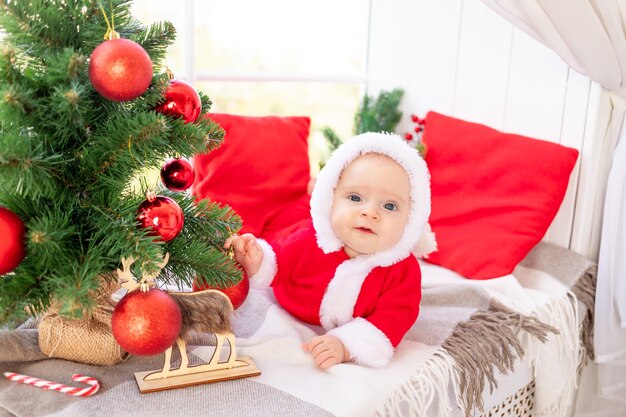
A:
[494,194]
[261,171]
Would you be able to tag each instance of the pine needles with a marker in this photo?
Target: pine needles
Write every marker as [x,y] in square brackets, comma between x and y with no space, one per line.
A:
[68,155]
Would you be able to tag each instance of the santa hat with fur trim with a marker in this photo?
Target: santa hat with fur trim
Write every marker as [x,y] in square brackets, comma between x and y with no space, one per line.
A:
[417,236]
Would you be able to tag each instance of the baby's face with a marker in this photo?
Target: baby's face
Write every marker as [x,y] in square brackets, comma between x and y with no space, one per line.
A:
[371,205]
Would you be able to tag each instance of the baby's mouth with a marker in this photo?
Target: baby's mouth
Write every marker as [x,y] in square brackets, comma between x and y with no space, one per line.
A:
[365,230]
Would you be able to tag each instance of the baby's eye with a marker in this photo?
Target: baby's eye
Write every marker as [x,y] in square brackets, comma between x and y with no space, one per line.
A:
[390,206]
[354,197]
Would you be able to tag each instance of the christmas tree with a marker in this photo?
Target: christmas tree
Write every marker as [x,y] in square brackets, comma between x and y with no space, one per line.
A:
[74,141]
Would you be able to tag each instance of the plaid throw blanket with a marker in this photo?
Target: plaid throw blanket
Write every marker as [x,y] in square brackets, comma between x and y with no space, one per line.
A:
[467,333]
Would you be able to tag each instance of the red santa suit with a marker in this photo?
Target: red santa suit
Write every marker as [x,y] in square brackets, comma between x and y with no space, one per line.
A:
[369,301]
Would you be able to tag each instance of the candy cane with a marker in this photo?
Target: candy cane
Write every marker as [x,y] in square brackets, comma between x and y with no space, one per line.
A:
[55,386]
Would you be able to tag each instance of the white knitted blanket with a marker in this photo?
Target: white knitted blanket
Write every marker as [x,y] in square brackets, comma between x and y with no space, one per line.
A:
[468,333]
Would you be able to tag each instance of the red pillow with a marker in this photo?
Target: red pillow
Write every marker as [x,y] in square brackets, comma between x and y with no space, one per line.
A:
[494,194]
[261,170]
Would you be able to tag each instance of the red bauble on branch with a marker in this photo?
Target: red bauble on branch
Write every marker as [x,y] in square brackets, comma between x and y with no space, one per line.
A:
[12,248]
[177,174]
[161,214]
[236,293]
[120,69]
[146,322]
[181,101]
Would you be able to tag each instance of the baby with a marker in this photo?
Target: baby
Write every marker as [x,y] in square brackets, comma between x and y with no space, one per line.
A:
[352,270]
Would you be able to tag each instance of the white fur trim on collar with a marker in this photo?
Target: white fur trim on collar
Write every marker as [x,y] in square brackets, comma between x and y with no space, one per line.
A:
[408,158]
[337,307]
[367,344]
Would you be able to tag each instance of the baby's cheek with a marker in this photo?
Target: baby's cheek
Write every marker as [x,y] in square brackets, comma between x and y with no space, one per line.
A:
[336,218]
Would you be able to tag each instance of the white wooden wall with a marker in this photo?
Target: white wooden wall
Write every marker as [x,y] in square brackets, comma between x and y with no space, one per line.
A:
[460,58]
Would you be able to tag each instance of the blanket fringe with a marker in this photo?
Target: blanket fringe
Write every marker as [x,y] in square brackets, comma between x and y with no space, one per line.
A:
[496,331]
[563,314]
[417,396]
[490,340]
[585,290]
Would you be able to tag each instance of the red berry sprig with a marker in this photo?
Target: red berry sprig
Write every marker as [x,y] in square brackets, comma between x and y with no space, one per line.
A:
[415,138]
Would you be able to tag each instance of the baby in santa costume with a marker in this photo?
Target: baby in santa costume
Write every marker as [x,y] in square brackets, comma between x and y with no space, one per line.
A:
[353,269]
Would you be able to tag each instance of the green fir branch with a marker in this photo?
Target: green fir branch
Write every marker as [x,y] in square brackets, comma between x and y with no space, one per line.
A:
[44,25]
[69,157]
[155,39]
[332,138]
[210,221]
[192,139]
[154,95]
[122,147]
[65,66]
[94,26]
[379,114]
[21,296]
[189,260]
[17,101]
[8,64]
[49,238]
[65,114]
[26,168]
[206,102]
[198,249]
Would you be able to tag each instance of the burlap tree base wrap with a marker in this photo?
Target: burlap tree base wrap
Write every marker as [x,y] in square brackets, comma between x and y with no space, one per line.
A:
[88,339]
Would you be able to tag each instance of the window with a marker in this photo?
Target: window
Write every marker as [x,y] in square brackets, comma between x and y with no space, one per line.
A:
[276,57]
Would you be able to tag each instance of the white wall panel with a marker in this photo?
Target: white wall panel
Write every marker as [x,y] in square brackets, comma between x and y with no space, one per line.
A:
[414,46]
[435,38]
[536,90]
[483,65]
[390,49]
[460,58]
[572,135]
[535,107]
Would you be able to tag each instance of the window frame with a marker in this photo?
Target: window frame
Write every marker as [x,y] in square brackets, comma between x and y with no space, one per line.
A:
[194,76]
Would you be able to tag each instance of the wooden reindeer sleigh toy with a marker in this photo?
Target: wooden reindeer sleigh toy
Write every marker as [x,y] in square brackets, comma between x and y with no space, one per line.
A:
[148,321]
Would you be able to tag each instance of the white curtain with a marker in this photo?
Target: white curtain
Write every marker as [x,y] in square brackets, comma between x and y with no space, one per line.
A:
[590,36]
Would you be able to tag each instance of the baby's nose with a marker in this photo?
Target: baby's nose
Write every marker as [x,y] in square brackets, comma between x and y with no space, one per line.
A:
[370,212]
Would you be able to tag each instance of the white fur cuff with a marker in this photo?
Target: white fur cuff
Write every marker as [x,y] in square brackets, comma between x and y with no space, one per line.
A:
[367,344]
[266,273]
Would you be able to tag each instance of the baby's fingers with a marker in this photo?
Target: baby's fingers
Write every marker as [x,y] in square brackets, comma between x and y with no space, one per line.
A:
[253,246]
[230,240]
[239,245]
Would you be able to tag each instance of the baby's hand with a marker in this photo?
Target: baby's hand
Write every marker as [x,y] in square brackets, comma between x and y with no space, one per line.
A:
[327,350]
[248,252]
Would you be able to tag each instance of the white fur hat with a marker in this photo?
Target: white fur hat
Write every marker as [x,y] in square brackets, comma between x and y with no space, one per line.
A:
[417,235]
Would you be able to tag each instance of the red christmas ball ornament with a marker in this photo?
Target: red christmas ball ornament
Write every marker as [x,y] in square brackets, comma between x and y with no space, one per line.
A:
[120,69]
[236,293]
[177,174]
[12,248]
[181,101]
[161,214]
[146,322]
